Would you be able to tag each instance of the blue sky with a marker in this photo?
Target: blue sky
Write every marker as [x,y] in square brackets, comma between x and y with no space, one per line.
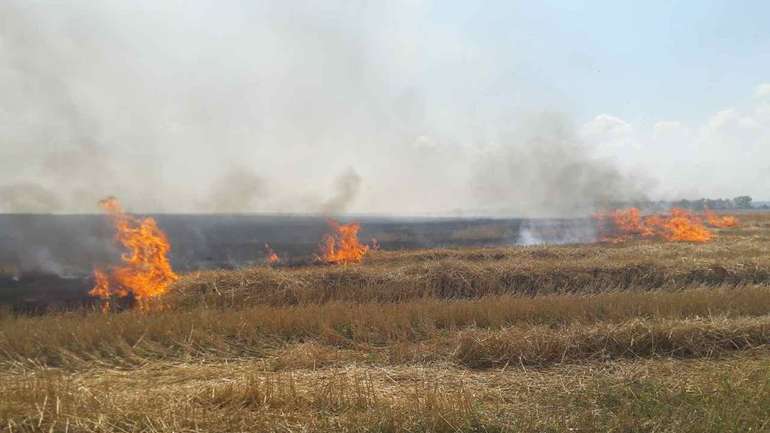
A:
[639,60]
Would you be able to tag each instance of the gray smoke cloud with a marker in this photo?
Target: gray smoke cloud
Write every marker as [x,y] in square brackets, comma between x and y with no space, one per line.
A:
[346,186]
[27,197]
[237,190]
[542,169]
[259,107]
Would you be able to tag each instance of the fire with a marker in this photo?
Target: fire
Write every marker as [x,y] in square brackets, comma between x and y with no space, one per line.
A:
[685,226]
[145,272]
[717,221]
[342,246]
[270,256]
[623,224]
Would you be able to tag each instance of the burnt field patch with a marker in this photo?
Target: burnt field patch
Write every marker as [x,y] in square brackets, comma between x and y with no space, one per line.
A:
[736,256]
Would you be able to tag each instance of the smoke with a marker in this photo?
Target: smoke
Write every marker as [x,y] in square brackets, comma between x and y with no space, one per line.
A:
[238,190]
[27,197]
[64,245]
[542,169]
[550,232]
[346,186]
[155,103]
[260,107]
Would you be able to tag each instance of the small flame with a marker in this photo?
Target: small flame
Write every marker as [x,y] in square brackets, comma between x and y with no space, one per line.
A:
[146,272]
[717,221]
[102,289]
[342,246]
[270,256]
[624,224]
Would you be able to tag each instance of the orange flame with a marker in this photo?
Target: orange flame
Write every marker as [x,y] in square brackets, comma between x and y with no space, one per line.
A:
[342,245]
[623,224]
[146,272]
[685,226]
[270,256]
[719,221]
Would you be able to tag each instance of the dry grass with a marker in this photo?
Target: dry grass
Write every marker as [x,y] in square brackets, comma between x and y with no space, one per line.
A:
[729,395]
[638,337]
[738,256]
[634,339]
[131,338]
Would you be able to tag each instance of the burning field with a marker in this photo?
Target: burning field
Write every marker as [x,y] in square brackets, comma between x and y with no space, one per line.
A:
[663,314]
[384,216]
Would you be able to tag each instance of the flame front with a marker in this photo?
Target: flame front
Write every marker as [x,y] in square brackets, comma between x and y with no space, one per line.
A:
[270,256]
[717,221]
[146,272]
[623,224]
[342,246]
[685,226]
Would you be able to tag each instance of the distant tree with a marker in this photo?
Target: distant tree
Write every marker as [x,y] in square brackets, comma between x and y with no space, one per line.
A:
[698,204]
[742,202]
[719,203]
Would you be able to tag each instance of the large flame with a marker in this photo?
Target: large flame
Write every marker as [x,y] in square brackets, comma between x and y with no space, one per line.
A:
[623,224]
[342,246]
[146,272]
[683,225]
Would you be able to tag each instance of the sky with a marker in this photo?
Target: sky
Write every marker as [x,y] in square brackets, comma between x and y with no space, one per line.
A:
[405,107]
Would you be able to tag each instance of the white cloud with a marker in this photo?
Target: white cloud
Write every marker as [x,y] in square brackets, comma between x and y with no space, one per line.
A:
[609,134]
[607,127]
[728,154]
[733,131]
[762,91]
[668,130]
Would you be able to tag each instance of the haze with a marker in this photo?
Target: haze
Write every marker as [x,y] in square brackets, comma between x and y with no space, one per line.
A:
[397,108]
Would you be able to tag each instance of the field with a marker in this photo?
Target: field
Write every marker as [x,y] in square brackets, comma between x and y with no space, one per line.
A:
[640,336]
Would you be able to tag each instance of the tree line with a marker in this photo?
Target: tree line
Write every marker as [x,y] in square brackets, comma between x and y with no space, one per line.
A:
[740,202]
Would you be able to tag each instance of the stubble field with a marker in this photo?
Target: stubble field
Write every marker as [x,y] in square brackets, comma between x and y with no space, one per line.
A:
[644,336]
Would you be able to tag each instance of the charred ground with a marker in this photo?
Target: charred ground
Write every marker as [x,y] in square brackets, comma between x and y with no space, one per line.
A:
[46,261]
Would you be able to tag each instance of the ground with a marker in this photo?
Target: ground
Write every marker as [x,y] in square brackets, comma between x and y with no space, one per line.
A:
[641,336]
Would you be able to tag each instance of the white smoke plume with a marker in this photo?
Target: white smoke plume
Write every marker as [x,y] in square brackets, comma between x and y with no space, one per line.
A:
[542,169]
